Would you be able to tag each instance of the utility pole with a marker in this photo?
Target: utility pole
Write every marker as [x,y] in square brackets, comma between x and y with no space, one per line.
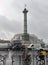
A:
[19,59]
[12,60]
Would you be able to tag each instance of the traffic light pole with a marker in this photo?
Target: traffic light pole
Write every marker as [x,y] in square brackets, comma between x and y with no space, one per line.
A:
[36,60]
[26,52]
[19,60]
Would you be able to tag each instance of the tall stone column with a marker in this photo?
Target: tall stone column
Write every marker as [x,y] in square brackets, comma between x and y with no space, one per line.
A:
[26,36]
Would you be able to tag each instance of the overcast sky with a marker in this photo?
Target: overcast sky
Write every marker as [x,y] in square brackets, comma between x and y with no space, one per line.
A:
[11,18]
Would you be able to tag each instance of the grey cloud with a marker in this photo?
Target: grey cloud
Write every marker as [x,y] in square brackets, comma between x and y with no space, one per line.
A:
[12,26]
[38,23]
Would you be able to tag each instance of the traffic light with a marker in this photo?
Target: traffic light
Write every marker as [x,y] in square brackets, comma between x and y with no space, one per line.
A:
[42,54]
